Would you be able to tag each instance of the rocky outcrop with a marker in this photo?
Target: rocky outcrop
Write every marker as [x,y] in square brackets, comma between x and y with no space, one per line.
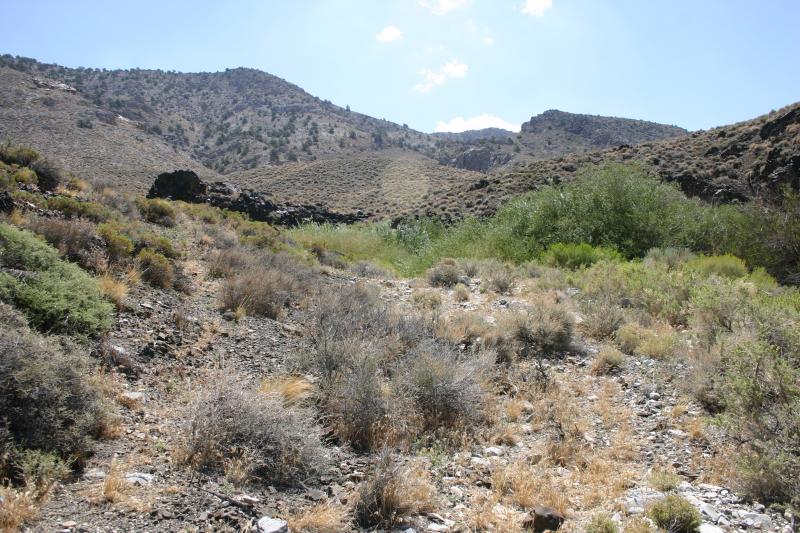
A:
[187,186]
[179,185]
[479,159]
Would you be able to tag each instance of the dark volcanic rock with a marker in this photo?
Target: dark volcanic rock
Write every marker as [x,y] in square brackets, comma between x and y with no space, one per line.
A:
[185,185]
[543,519]
[179,185]
[6,203]
[480,159]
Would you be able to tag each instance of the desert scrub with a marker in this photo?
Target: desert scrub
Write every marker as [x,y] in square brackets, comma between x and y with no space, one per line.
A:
[723,265]
[261,291]
[675,515]
[119,246]
[46,400]
[57,296]
[74,208]
[500,276]
[157,211]
[607,361]
[445,385]
[546,328]
[156,269]
[602,524]
[393,492]
[445,274]
[230,420]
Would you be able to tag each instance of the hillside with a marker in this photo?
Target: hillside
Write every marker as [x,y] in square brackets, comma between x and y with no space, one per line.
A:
[233,120]
[740,162]
[243,119]
[552,134]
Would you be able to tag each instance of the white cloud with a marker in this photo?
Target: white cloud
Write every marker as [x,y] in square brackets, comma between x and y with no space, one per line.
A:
[432,78]
[442,7]
[478,122]
[536,8]
[488,40]
[389,34]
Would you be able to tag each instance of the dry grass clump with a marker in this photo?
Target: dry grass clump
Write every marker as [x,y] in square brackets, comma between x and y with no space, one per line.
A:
[664,480]
[500,276]
[446,385]
[608,360]
[427,300]
[461,293]
[261,291]
[326,517]
[527,486]
[546,329]
[229,262]
[113,289]
[658,341]
[228,419]
[394,491]
[602,320]
[445,274]
[17,506]
[293,390]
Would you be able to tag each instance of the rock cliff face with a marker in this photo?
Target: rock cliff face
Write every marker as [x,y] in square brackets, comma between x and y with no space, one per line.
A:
[187,186]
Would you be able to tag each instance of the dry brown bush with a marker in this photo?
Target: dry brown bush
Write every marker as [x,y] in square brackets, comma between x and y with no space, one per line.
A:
[261,291]
[229,419]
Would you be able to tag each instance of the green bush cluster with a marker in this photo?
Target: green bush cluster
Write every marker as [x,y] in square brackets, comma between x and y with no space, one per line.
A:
[157,211]
[156,268]
[46,400]
[573,256]
[57,296]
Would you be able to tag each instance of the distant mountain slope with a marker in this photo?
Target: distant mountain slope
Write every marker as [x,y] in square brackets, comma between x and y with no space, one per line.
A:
[233,120]
[114,150]
[475,135]
[751,159]
[552,134]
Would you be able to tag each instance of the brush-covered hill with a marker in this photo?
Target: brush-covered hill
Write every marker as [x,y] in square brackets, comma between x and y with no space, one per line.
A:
[752,159]
[552,134]
[238,119]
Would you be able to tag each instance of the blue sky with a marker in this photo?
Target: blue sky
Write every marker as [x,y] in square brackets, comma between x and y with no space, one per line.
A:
[427,63]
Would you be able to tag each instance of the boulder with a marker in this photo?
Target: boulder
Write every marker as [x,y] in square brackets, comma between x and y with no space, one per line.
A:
[179,185]
[543,519]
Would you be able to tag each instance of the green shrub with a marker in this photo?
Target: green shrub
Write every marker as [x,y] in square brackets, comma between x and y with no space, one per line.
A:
[156,269]
[158,244]
[602,524]
[25,175]
[118,245]
[722,265]
[56,296]
[157,211]
[574,256]
[73,208]
[675,515]
[670,257]
[46,401]
[17,155]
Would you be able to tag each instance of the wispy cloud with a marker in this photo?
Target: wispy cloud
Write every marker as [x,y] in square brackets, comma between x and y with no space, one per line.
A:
[389,34]
[442,7]
[433,78]
[488,40]
[536,8]
[477,122]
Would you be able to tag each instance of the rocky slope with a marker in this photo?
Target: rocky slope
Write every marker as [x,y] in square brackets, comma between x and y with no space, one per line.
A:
[752,159]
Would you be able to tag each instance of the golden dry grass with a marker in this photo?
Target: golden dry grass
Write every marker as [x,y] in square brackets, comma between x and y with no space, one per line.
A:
[114,290]
[292,389]
[17,506]
[326,517]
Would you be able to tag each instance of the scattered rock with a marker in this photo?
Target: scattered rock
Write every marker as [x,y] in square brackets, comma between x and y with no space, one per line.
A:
[272,525]
[543,519]
[139,478]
